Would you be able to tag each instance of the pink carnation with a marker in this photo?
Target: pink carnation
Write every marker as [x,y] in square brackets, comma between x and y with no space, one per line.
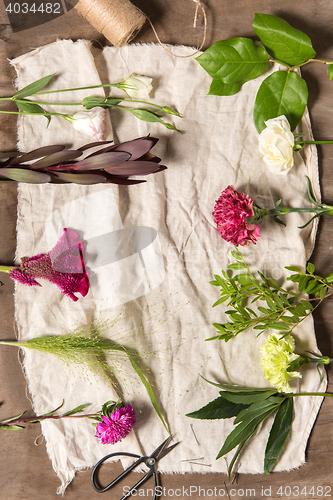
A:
[63,266]
[231,211]
[117,426]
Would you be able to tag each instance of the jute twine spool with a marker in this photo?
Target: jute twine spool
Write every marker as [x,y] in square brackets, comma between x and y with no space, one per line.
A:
[118,20]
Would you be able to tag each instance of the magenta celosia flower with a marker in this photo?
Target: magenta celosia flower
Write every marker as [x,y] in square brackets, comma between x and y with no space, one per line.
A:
[117,426]
[63,266]
[231,211]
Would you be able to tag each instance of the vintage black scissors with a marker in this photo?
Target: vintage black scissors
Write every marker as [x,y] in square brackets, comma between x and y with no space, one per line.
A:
[151,462]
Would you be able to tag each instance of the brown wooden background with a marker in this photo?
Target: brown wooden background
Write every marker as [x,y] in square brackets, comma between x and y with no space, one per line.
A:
[25,470]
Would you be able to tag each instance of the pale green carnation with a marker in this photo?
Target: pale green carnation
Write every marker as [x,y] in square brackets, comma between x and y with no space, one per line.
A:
[277,356]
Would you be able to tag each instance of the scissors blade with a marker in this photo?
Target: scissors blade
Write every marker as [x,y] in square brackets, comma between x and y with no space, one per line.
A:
[162,449]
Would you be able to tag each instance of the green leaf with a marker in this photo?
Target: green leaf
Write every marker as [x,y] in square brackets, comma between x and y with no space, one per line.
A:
[148,388]
[281,93]
[33,88]
[102,102]
[307,305]
[278,326]
[312,284]
[247,398]
[75,410]
[241,432]
[11,427]
[217,87]
[236,388]
[303,283]
[32,108]
[293,268]
[310,268]
[329,278]
[279,431]
[237,266]
[234,61]
[149,116]
[145,115]
[52,411]
[12,418]
[24,175]
[256,409]
[271,304]
[330,71]
[238,451]
[217,409]
[283,42]
[86,179]
[322,293]
[221,300]
[236,255]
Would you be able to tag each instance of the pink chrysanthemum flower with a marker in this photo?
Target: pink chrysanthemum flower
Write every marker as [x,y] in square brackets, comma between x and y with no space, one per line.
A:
[231,211]
[63,266]
[117,426]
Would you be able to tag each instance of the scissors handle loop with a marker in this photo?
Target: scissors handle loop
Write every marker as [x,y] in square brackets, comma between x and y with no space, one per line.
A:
[94,475]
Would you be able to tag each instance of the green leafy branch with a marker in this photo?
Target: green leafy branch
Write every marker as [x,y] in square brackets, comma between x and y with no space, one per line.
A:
[14,423]
[283,309]
[250,407]
[235,61]
[34,107]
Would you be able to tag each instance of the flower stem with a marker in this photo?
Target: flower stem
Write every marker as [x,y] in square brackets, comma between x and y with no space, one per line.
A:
[323,394]
[314,142]
[47,417]
[291,68]
[6,269]
[78,88]
[41,114]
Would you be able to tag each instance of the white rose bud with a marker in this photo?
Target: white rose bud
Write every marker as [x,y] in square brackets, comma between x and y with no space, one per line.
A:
[137,86]
[276,143]
[92,123]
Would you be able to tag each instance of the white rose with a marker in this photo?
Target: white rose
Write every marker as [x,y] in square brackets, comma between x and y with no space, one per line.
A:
[137,86]
[276,143]
[91,123]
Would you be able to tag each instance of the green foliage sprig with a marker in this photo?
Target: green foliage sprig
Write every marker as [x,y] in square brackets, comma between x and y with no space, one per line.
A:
[250,407]
[15,423]
[35,106]
[283,309]
[233,62]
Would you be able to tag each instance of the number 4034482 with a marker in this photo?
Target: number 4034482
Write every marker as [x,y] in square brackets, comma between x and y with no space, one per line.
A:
[297,491]
[24,8]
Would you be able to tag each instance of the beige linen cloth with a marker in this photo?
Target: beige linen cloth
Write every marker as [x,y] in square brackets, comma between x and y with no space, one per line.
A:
[151,285]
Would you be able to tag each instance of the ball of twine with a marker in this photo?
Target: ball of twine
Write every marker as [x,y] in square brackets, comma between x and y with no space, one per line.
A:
[118,20]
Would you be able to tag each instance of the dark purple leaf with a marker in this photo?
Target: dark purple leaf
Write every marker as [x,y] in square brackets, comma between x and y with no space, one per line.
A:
[38,153]
[56,158]
[103,160]
[150,157]
[80,178]
[100,151]
[25,175]
[114,179]
[137,147]
[9,154]
[133,168]
[93,145]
